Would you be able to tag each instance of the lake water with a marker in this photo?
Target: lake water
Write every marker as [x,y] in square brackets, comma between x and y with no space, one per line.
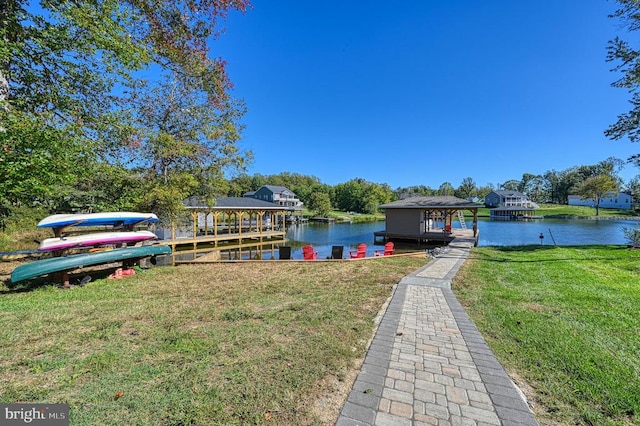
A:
[492,233]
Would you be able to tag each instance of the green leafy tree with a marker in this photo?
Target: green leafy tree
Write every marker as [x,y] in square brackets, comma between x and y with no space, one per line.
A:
[69,70]
[549,184]
[467,189]
[303,186]
[446,189]
[485,190]
[183,141]
[633,187]
[596,187]
[239,185]
[511,185]
[35,163]
[558,185]
[349,196]
[360,196]
[376,194]
[627,59]
[536,190]
[412,191]
[319,203]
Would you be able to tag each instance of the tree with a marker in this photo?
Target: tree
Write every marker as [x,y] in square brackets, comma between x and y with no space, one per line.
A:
[533,186]
[35,164]
[467,189]
[360,196]
[483,191]
[595,188]
[633,187]
[69,69]
[348,196]
[446,189]
[374,195]
[105,187]
[511,185]
[182,140]
[413,191]
[627,60]
[68,56]
[319,203]
[550,183]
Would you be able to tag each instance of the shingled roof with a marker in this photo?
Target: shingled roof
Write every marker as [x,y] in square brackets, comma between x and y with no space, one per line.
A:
[434,202]
[227,203]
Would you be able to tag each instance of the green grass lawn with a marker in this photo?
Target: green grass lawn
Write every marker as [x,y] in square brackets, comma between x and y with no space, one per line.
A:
[277,343]
[564,320]
[219,344]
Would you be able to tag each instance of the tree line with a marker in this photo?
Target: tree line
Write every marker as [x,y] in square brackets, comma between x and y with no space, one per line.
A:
[361,196]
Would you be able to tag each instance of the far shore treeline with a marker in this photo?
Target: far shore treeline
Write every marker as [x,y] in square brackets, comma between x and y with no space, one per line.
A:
[124,189]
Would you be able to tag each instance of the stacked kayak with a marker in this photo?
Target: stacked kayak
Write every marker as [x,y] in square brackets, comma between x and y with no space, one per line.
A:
[75,261]
[121,233]
[95,239]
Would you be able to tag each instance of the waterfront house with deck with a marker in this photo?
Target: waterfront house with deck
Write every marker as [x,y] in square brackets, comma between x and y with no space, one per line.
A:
[510,205]
[279,195]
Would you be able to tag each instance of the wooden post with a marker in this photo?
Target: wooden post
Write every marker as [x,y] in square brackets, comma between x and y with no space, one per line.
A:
[259,222]
[62,277]
[239,223]
[194,217]
[215,227]
[57,232]
[475,223]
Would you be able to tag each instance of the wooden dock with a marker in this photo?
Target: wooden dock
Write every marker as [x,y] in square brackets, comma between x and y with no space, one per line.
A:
[224,239]
[428,238]
[227,242]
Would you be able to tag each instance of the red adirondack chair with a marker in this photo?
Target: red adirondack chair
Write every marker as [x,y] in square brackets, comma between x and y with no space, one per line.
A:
[308,253]
[360,251]
[387,251]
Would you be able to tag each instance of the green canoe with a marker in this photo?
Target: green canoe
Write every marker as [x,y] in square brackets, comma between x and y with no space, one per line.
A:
[68,263]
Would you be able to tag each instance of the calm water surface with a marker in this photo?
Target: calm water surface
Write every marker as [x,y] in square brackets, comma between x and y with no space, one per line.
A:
[492,233]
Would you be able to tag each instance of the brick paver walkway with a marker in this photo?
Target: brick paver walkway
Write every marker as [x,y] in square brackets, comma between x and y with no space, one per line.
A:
[428,364]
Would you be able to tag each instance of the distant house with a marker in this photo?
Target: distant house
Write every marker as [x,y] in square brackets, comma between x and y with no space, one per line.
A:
[279,195]
[510,205]
[610,200]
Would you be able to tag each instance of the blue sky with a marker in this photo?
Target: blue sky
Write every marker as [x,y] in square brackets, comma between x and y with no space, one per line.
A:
[421,92]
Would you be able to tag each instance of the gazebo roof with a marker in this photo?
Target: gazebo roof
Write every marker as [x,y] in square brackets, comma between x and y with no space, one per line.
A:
[233,203]
[434,202]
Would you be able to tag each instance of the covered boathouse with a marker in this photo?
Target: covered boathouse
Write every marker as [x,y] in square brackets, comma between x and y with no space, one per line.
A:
[229,227]
[428,219]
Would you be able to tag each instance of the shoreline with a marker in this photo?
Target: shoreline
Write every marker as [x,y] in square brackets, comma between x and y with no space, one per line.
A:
[570,217]
[632,218]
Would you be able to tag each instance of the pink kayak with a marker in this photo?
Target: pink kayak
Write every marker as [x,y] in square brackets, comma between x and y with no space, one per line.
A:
[95,239]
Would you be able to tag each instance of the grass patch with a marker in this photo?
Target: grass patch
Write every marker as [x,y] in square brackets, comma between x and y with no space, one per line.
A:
[20,229]
[357,217]
[566,320]
[218,344]
[562,211]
